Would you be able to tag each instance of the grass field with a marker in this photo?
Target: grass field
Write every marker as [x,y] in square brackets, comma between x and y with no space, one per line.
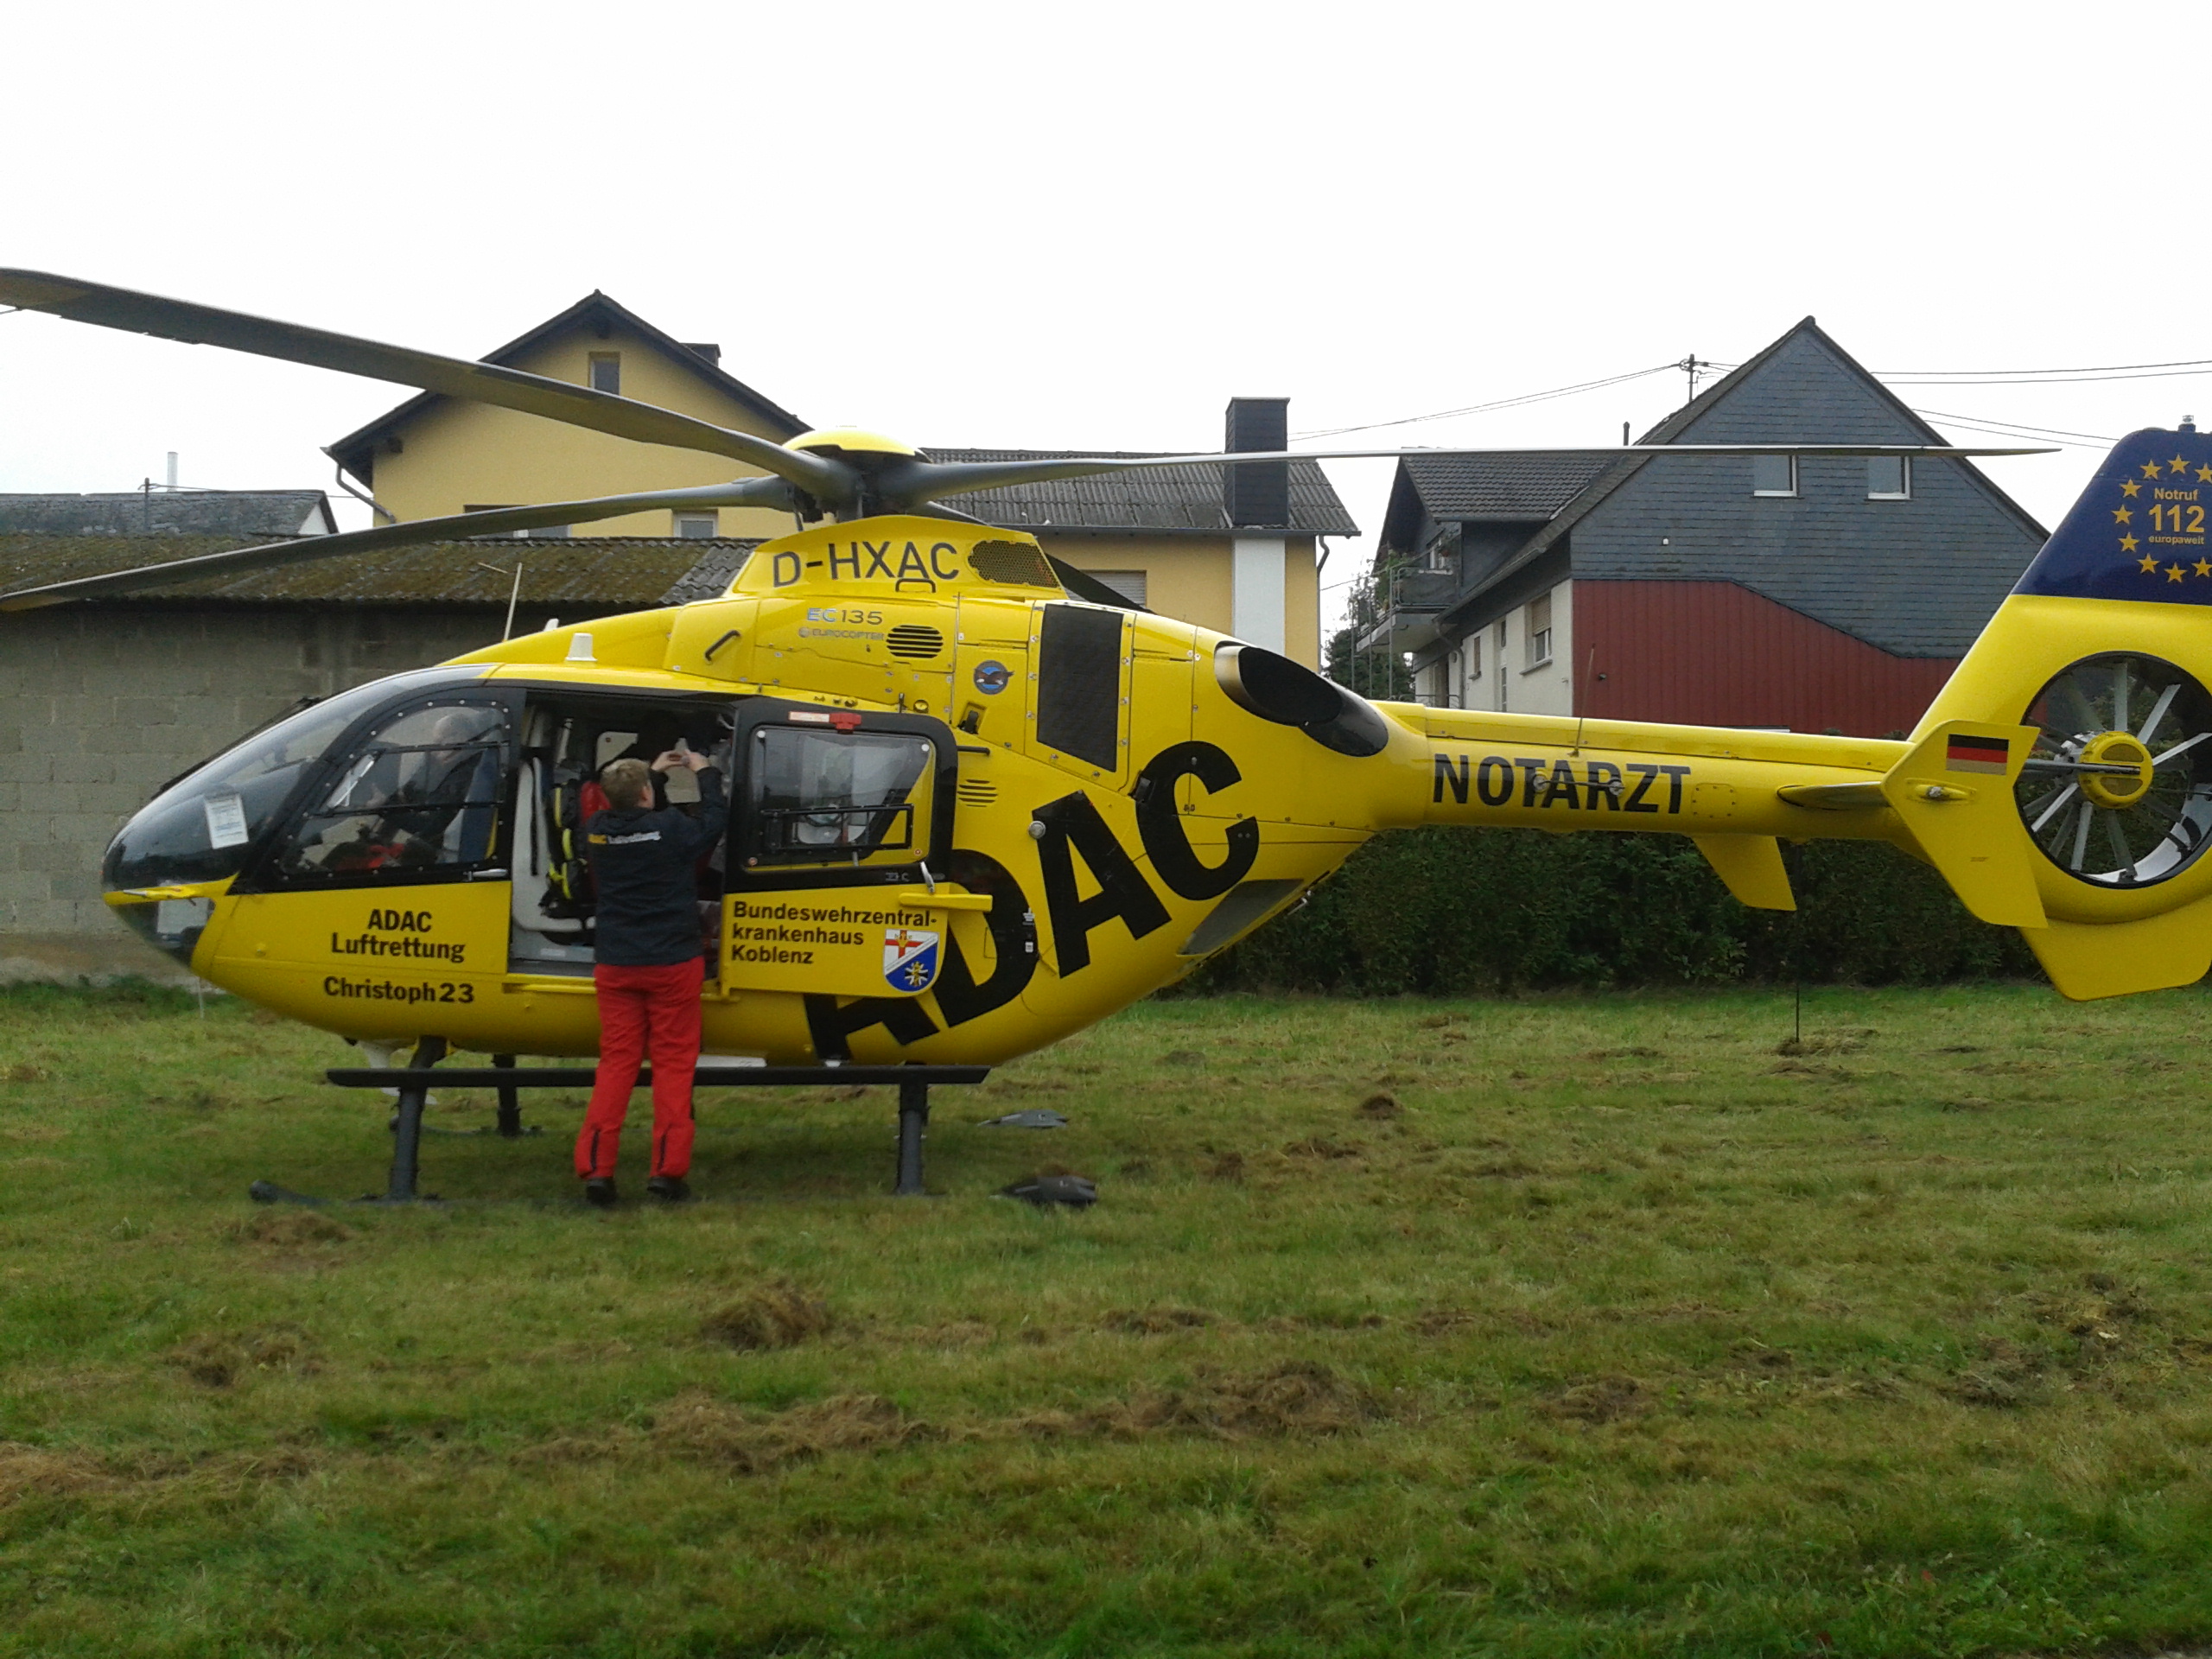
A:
[1574,1326]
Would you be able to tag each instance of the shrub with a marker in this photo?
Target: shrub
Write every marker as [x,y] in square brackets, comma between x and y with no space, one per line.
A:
[1444,911]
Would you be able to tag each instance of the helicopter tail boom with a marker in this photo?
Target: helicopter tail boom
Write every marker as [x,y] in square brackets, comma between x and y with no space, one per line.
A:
[2060,782]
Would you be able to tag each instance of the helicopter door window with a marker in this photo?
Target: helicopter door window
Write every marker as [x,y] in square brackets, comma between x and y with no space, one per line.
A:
[827,797]
[422,794]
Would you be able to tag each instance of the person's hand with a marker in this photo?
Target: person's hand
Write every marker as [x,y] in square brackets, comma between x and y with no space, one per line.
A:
[696,760]
[669,759]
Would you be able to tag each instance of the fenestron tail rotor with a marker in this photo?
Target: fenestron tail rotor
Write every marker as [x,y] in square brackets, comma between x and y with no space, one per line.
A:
[2118,791]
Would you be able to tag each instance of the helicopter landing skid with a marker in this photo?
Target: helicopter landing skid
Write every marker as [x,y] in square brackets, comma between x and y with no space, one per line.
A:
[414,1082]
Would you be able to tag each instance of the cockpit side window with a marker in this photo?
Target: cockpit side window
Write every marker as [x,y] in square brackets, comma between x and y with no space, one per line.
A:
[201,826]
[421,794]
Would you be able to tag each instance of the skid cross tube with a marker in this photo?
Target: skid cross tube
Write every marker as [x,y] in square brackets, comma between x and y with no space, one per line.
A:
[414,1084]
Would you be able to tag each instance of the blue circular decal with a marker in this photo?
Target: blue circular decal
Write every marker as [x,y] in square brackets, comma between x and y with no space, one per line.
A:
[993,677]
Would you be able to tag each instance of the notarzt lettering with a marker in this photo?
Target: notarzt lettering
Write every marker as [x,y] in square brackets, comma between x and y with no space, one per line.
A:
[1544,783]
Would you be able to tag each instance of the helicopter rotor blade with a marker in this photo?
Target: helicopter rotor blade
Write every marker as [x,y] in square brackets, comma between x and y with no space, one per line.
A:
[499,521]
[913,480]
[828,481]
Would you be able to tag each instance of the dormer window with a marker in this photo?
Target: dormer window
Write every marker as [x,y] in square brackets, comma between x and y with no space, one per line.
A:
[606,373]
[1774,474]
[696,526]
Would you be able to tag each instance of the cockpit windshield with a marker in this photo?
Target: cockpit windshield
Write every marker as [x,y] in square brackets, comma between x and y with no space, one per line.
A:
[199,827]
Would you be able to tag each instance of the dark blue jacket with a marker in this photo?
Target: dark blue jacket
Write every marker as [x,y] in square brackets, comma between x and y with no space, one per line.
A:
[644,867]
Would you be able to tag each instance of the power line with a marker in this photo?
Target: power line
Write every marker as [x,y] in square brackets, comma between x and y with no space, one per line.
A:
[2095,368]
[2083,379]
[1502,403]
[1989,423]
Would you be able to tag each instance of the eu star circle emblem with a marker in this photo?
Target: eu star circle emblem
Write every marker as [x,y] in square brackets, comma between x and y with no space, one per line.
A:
[993,677]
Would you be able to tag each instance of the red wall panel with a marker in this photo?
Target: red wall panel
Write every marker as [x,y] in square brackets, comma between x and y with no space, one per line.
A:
[1711,653]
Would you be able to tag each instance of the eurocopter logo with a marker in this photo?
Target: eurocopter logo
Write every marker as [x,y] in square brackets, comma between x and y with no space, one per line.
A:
[912,566]
[909,958]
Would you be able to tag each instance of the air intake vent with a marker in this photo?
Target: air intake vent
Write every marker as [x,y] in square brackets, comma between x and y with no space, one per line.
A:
[914,640]
[977,791]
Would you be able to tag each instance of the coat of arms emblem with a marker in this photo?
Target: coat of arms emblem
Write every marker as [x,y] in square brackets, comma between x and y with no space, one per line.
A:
[910,957]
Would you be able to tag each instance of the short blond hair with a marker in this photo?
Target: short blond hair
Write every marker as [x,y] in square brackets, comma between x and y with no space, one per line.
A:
[628,782]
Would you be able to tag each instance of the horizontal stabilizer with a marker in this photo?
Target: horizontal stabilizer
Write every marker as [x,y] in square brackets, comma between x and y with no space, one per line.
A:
[1955,794]
[1834,798]
[1751,865]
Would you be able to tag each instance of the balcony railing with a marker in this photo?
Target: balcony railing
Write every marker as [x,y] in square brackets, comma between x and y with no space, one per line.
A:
[1411,600]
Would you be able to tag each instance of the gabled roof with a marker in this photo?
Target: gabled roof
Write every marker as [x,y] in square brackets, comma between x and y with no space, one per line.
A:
[170,513]
[356,451]
[1185,500]
[1526,486]
[1746,406]
[597,573]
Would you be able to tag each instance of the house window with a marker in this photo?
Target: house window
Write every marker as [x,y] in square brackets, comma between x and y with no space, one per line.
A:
[1540,631]
[1129,584]
[697,526]
[1888,478]
[607,371]
[1474,656]
[1774,474]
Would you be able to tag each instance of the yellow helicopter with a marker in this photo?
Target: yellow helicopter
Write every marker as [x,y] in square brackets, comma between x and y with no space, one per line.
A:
[979,801]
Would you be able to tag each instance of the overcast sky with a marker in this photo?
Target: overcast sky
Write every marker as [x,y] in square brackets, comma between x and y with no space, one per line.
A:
[1084,225]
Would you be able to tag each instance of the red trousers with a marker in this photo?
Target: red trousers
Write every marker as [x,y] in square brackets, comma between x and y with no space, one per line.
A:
[663,1002]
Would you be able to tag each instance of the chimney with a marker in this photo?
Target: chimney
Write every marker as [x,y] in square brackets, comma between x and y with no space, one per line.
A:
[172,469]
[712,353]
[1257,494]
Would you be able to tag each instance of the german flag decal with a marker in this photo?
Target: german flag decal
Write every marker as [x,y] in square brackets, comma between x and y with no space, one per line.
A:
[1978,754]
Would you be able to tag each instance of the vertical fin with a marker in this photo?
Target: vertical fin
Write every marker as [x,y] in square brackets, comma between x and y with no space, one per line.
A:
[1954,795]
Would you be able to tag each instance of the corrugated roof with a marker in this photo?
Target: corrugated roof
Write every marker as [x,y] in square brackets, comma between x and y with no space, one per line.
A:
[165,512]
[1182,499]
[1528,486]
[596,573]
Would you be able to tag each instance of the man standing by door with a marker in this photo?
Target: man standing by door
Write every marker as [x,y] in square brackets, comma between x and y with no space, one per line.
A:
[648,970]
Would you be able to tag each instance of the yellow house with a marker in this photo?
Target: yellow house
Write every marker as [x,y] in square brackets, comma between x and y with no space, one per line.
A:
[1240,554]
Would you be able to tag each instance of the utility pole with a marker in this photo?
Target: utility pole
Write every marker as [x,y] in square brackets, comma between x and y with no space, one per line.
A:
[1692,366]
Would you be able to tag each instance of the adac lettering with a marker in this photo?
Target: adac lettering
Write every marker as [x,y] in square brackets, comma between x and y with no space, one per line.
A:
[1554,781]
[960,996]
[1166,842]
[397,934]
[1072,828]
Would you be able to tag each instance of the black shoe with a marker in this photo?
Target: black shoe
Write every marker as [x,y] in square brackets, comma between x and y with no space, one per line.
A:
[599,1193]
[670,1189]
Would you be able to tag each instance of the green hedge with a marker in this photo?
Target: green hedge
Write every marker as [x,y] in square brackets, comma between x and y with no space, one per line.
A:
[1445,912]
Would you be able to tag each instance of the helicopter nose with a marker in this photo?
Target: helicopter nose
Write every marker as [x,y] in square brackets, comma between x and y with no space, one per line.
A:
[1270,685]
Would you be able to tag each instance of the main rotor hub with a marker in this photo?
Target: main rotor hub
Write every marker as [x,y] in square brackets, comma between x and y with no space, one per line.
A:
[2116,789]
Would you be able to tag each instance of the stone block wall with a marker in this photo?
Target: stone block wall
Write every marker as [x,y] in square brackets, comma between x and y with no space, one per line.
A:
[101,705]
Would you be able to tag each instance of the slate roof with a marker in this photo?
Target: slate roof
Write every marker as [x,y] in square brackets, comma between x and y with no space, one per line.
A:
[1184,499]
[600,573]
[1528,486]
[1916,578]
[356,451]
[168,512]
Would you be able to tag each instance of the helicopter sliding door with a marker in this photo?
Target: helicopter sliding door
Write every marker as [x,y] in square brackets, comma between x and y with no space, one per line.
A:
[838,839]
[569,738]
[386,881]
